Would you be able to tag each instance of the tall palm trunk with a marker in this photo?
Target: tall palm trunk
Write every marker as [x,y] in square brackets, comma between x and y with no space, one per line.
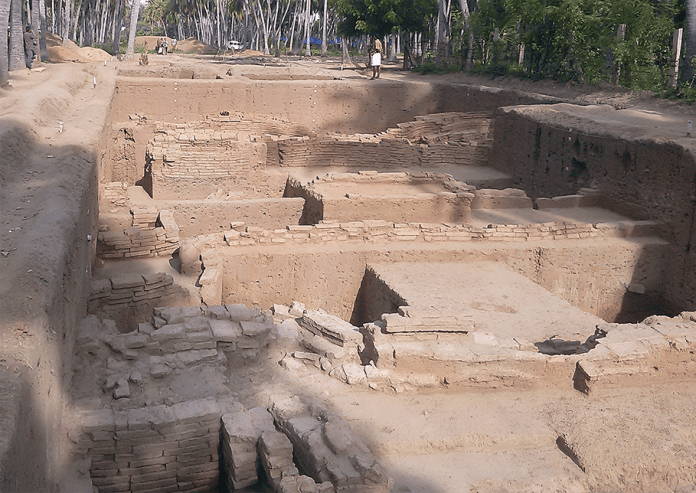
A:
[690,45]
[66,22]
[309,8]
[440,28]
[324,47]
[345,42]
[130,50]
[4,19]
[43,27]
[16,36]
[76,20]
[118,20]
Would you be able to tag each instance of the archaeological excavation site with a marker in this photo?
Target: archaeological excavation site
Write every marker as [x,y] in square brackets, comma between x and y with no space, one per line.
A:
[286,277]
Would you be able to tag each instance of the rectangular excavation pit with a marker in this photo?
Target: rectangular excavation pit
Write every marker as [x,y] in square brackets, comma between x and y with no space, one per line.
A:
[332,275]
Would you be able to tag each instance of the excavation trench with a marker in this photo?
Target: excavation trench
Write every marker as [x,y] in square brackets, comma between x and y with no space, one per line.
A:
[259,189]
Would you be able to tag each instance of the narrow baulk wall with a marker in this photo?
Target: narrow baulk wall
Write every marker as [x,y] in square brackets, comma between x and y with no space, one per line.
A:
[50,291]
[642,178]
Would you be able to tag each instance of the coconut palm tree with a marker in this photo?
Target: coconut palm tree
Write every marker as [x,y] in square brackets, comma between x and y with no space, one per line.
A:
[16,36]
[690,44]
[43,27]
[4,18]
[66,21]
[130,50]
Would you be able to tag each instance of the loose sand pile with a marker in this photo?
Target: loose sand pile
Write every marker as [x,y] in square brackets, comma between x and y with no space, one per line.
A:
[94,54]
[64,54]
[72,53]
[55,40]
[192,45]
[151,41]
[188,45]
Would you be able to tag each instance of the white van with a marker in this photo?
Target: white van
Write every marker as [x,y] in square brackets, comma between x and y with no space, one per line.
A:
[237,45]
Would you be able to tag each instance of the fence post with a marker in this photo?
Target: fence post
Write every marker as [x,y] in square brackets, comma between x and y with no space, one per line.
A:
[676,54]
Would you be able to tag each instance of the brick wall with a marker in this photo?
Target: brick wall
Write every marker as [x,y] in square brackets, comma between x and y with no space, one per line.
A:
[155,449]
[128,296]
[378,230]
[163,239]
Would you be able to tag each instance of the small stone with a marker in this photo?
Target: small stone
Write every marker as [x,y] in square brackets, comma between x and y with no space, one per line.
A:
[306,356]
[122,390]
[136,377]
[297,309]
[291,364]
[160,371]
[111,381]
[636,288]
[281,310]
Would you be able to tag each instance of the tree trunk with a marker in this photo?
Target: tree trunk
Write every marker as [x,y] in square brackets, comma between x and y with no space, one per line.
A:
[307,32]
[44,27]
[690,44]
[34,22]
[219,36]
[324,46]
[118,20]
[65,32]
[130,50]
[440,29]
[465,12]
[292,33]
[408,60]
[345,42]
[4,54]
[16,36]
[76,19]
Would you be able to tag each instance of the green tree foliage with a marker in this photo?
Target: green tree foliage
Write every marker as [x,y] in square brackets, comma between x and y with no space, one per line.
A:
[381,17]
[577,39]
[155,13]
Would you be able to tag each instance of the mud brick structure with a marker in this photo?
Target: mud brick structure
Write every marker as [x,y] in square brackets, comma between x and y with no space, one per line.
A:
[134,294]
[161,448]
[326,448]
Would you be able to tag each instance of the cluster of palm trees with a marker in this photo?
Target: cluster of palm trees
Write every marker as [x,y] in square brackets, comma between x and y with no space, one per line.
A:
[261,24]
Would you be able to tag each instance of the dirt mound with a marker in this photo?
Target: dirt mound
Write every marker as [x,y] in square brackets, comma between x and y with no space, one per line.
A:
[55,40]
[151,41]
[192,45]
[64,54]
[95,54]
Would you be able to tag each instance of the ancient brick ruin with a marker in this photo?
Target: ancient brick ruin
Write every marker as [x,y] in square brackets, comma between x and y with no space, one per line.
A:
[252,262]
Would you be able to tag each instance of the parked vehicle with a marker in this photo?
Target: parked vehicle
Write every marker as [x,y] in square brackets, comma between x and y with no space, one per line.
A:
[237,45]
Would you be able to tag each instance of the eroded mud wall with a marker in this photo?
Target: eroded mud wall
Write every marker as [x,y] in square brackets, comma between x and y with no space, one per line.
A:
[321,106]
[641,178]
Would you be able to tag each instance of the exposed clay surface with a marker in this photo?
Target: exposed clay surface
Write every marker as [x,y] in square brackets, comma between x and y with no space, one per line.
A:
[507,310]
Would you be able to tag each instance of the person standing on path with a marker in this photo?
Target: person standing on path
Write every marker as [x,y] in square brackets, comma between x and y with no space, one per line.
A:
[376,57]
[29,46]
